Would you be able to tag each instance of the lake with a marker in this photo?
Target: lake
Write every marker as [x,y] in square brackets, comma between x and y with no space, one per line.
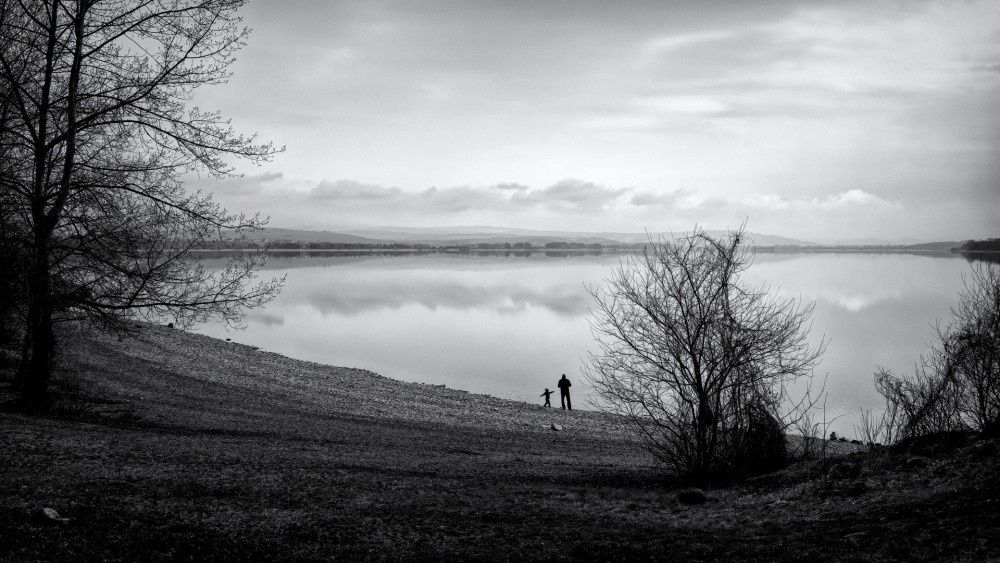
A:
[509,325]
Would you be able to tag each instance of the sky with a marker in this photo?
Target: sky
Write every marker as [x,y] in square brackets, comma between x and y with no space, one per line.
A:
[824,121]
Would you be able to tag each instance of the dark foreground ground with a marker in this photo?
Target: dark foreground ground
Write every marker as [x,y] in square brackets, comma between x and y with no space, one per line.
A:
[179,447]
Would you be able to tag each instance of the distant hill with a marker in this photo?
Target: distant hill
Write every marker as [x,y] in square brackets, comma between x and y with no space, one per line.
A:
[757,238]
[474,235]
[484,235]
[491,235]
[843,247]
[934,246]
[278,234]
[871,241]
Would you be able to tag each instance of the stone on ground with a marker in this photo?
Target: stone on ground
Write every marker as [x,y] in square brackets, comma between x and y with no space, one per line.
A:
[46,517]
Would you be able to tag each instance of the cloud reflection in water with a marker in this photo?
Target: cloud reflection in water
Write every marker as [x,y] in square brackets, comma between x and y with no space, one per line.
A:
[356,288]
[506,326]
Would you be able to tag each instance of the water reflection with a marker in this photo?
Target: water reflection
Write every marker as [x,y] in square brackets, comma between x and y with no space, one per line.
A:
[509,325]
[993,257]
[354,296]
[495,284]
[858,302]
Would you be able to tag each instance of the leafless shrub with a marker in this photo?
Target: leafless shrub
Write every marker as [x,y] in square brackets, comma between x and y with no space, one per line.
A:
[812,434]
[973,343]
[876,430]
[956,386]
[698,361]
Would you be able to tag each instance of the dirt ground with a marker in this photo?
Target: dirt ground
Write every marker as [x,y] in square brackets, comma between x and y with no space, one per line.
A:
[173,447]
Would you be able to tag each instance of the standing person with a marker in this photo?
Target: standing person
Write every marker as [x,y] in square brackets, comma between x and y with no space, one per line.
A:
[564,386]
[546,395]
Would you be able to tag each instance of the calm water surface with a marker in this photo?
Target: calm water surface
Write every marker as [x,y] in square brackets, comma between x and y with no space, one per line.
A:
[510,325]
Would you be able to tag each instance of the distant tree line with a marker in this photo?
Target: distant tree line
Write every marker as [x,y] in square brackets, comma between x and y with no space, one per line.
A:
[482,246]
[988,245]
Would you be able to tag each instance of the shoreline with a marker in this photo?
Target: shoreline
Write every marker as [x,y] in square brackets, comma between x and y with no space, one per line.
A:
[175,446]
[346,390]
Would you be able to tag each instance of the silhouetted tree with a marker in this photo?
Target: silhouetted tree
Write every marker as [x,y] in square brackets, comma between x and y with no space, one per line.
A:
[956,386]
[10,291]
[97,137]
[11,260]
[698,361]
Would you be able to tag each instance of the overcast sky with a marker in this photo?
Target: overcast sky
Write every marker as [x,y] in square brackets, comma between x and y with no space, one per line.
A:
[818,120]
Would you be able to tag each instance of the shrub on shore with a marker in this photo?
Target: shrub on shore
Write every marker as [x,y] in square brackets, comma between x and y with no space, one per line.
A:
[956,387]
[699,362]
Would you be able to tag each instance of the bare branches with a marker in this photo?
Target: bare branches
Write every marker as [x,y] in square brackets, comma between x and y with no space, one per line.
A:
[95,135]
[956,386]
[697,360]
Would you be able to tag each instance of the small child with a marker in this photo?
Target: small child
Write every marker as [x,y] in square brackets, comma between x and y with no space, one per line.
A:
[546,395]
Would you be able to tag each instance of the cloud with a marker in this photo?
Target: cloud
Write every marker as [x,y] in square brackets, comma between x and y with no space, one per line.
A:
[993,68]
[248,185]
[667,43]
[570,204]
[510,187]
[849,198]
[570,194]
[349,190]
[684,105]
[457,199]
[622,121]
[690,201]
[652,199]
[567,195]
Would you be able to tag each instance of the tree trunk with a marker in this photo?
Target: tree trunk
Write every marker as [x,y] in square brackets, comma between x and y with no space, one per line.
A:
[39,344]
[38,365]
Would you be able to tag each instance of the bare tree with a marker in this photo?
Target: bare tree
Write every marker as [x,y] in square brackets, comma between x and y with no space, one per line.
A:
[96,114]
[956,386]
[974,343]
[698,361]
[12,167]
[927,402]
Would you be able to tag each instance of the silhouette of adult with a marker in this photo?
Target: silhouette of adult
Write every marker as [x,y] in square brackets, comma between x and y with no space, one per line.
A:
[564,386]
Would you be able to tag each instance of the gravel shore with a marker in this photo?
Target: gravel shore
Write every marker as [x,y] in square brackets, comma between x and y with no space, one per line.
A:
[175,446]
[346,391]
